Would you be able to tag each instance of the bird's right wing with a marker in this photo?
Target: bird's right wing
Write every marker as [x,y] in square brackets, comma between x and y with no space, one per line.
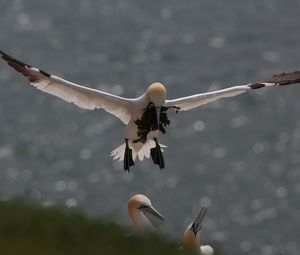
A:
[81,96]
[189,102]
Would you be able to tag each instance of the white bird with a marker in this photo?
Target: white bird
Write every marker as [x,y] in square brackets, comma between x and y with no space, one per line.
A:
[145,116]
[191,236]
[138,208]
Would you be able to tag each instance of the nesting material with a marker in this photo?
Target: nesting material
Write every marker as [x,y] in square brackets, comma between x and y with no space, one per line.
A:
[148,122]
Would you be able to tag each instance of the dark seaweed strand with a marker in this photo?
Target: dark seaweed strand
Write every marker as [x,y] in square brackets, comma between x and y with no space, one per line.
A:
[147,122]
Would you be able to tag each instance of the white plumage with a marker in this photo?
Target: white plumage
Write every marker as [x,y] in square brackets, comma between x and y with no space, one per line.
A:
[140,139]
[190,102]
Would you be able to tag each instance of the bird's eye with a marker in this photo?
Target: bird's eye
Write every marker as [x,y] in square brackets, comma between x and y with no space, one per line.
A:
[142,206]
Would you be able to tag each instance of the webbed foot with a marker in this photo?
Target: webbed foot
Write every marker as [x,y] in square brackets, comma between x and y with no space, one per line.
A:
[128,161]
[157,155]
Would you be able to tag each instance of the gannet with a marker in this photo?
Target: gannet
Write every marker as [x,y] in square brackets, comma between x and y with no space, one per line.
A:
[146,116]
[191,236]
[138,207]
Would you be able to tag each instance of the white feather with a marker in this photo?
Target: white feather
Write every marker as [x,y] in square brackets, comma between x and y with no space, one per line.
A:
[139,150]
[190,102]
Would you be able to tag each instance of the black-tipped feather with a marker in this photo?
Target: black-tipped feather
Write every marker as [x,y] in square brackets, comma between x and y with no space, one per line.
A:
[280,79]
[24,68]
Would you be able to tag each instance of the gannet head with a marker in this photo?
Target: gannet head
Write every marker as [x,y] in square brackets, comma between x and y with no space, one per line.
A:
[138,207]
[157,93]
[191,236]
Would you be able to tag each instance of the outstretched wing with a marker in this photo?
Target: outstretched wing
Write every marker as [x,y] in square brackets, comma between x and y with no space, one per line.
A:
[189,102]
[81,96]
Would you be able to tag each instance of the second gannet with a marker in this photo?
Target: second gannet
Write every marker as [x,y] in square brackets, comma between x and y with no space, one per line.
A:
[191,236]
[138,207]
[145,116]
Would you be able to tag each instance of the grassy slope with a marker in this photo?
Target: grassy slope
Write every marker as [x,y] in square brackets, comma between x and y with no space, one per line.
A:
[29,229]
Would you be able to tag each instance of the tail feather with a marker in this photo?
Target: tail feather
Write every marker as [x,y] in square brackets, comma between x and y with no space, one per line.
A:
[118,153]
[144,152]
[139,150]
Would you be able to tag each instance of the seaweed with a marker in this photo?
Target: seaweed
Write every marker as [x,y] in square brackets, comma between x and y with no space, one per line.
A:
[148,122]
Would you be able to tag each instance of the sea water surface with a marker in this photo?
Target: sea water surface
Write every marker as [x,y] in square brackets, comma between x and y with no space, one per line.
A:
[240,156]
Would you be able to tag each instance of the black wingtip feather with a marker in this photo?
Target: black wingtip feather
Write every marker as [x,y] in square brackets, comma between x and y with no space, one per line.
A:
[19,66]
[9,58]
[281,79]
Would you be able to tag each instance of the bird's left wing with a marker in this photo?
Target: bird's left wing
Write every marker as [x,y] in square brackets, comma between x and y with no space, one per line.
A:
[81,96]
[189,102]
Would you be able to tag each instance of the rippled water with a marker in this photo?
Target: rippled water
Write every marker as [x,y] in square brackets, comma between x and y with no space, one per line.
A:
[240,157]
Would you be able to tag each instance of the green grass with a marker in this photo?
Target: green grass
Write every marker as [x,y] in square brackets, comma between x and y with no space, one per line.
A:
[27,228]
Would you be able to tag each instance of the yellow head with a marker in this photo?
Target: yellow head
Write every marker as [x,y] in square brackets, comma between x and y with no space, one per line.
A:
[138,206]
[157,93]
[136,201]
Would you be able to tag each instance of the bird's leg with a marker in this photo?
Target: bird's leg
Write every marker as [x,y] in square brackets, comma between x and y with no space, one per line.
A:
[157,155]
[128,161]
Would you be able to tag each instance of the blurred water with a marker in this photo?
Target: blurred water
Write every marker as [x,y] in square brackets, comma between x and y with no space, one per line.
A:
[239,157]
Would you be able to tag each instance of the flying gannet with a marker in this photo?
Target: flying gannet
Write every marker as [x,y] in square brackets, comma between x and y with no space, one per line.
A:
[191,236]
[138,208]
[145,116]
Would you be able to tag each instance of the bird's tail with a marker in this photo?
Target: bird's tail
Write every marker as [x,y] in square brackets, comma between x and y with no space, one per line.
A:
[140,150]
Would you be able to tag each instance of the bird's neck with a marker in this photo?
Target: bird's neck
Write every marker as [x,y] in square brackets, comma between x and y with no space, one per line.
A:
[191,241]
[139,221]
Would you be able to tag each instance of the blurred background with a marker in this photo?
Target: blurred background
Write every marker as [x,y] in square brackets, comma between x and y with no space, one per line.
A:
[239,156]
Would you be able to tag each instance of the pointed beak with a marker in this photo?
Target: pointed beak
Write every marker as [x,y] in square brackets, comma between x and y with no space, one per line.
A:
[158,115]
[197,224]
[150,209]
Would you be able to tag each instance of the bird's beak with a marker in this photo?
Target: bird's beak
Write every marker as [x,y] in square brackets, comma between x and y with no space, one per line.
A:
[197,224]
[158,115]
[150,209]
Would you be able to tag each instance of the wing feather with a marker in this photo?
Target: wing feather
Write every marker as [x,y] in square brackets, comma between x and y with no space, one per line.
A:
[81,96]
[190,102]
